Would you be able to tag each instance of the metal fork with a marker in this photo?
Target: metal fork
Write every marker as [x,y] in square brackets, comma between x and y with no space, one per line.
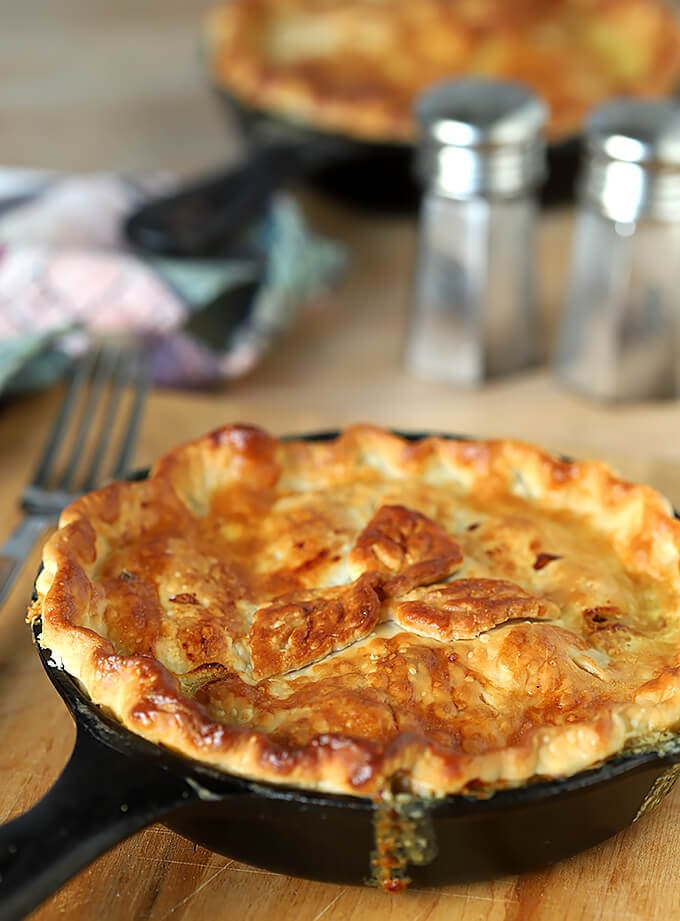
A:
[91,441]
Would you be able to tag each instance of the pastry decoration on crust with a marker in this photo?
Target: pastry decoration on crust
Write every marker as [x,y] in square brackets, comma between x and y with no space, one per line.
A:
[355,67]
[463,615]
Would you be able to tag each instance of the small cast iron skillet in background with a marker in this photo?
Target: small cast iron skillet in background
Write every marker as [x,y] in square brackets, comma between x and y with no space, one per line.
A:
[116,783]
[203,218]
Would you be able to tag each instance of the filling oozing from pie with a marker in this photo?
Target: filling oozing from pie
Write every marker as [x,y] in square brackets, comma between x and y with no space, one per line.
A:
[474,614]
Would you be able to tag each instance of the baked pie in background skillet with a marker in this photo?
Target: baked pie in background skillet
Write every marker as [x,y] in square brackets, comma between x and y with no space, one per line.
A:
[350,70]
[419,659]
[323,92]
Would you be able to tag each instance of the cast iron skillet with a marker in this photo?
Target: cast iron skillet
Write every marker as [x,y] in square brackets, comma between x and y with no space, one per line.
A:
[116,783]
[204,217]
[382,176]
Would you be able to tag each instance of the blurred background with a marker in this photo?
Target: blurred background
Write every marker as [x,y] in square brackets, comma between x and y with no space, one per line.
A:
[97,86]
[104,107]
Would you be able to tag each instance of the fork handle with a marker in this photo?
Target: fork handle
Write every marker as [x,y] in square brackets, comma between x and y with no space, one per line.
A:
[17,547]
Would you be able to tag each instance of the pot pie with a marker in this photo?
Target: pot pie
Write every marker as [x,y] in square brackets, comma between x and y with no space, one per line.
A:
[356,66]
[349,613]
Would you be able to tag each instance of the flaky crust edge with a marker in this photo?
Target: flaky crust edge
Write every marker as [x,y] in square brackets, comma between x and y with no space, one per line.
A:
[146,698]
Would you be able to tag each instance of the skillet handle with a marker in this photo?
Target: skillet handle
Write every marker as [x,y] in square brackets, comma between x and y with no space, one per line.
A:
[202,219]
[100,798]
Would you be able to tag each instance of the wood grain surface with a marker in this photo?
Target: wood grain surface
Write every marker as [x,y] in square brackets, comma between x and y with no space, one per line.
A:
[341,362]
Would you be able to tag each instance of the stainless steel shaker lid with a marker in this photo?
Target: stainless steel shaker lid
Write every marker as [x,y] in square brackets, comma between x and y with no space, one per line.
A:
[635,131]
[633,167]
[481,137]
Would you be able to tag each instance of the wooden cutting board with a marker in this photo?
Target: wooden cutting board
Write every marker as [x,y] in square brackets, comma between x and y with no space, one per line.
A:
[157,875]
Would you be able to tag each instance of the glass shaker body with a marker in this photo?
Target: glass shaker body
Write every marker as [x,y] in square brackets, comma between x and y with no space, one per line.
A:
[620,328]
[481,157]
[473,313]
[617,339]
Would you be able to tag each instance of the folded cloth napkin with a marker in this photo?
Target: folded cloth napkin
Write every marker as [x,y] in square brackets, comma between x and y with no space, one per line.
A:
[64,268]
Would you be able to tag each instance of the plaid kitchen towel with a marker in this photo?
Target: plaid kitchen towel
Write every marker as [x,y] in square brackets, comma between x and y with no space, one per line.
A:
[66,274]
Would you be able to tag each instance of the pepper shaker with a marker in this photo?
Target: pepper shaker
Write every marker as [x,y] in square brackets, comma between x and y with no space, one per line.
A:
[481,157]
[619,333]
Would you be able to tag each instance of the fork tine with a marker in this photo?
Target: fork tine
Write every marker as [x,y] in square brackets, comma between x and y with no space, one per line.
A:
[102,372]
[80,375]
[139,374]
[118,366]
[102,369]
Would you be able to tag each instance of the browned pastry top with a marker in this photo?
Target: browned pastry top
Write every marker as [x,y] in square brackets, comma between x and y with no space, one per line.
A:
[329,614]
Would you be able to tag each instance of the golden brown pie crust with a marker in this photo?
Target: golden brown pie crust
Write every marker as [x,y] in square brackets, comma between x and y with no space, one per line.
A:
[468,615]
[356,66]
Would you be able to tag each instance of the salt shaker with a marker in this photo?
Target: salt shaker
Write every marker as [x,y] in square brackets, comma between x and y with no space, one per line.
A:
[619,333]
[481,157]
